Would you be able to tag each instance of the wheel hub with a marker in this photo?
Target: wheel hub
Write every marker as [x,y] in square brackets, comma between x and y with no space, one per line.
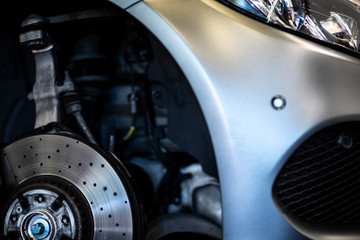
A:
[39,213]
[66,188]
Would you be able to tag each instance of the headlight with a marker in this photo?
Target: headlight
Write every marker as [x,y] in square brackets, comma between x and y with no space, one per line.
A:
[334,21]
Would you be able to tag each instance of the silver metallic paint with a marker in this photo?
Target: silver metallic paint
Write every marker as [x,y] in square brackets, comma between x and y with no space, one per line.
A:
[235,66]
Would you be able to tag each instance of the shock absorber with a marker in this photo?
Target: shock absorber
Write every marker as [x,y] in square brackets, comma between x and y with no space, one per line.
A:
[89,68]
[89,65]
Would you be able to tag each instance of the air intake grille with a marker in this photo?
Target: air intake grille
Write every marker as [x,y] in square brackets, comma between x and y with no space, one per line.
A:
[320,183]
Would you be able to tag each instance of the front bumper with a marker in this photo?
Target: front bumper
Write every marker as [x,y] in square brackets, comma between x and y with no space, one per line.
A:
[235,66]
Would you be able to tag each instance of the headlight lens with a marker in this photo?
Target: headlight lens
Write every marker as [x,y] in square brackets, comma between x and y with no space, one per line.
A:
[334,21]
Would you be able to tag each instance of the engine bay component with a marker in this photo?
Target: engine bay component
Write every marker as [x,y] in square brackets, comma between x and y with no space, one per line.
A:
[201,193]
[64,184]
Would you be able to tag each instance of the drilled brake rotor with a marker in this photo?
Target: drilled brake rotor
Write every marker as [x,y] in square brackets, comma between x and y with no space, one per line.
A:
[79,167]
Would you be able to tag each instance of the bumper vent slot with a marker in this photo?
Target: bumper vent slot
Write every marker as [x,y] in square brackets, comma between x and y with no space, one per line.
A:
[320,183]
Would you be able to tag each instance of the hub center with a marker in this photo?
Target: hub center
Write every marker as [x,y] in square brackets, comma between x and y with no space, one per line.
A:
[38,226]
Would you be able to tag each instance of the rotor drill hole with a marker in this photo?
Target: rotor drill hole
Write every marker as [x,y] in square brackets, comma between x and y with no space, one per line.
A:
[41,164]
[80,164]
[49,157]
[24,156]
[58,150]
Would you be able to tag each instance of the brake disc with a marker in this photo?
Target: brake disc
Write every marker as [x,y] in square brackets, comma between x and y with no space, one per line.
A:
[67,189]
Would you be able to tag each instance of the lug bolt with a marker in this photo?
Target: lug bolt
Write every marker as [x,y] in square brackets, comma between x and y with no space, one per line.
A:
[14,218]
[40,198]
[65,220]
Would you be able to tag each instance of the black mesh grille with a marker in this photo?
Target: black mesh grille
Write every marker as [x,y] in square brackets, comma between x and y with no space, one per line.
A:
[320,183]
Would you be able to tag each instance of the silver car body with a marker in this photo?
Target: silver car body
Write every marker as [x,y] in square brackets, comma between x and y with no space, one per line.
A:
[235,66]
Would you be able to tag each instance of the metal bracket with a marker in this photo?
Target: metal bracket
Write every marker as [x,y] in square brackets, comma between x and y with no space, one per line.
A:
[44,93]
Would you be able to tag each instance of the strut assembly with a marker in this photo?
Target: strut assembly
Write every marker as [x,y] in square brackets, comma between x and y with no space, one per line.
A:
[63,187]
